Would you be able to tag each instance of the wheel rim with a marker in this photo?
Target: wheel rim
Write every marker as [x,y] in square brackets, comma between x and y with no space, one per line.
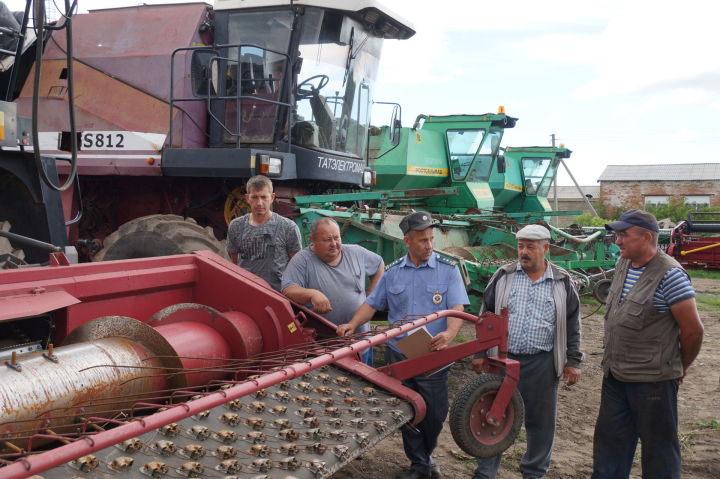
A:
[484,432]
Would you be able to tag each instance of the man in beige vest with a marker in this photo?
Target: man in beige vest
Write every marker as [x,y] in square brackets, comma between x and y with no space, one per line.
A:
[652,335]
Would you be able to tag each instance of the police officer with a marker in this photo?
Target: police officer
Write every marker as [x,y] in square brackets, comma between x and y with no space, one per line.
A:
[418,284]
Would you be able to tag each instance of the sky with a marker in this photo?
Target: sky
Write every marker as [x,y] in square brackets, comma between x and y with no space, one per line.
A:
[617,82]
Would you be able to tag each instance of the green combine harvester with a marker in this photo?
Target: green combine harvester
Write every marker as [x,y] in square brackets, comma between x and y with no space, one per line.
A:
[479,194]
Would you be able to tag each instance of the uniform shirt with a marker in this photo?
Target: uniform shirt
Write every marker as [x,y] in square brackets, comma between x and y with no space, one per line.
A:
[675,286]
[532,313]
[407,292]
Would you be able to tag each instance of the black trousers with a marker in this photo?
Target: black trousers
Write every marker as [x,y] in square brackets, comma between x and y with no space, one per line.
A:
[420,445]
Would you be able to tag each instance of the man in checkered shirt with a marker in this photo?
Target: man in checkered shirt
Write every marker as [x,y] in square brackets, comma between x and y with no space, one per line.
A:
[544,336]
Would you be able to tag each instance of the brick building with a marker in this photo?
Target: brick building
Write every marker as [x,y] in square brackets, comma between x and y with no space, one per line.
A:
[640,185]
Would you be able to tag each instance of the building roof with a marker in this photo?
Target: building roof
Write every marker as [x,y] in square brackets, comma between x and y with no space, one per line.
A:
[571,192]
[674,172]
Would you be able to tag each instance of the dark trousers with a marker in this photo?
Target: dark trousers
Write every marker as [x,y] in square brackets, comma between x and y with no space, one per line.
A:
[538,386]
[420,444]
[632,411]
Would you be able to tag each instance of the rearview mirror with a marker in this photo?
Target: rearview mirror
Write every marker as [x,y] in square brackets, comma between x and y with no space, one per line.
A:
[501,164]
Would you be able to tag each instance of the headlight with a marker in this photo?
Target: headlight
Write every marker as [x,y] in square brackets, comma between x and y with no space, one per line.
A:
[270,165]
[367,178]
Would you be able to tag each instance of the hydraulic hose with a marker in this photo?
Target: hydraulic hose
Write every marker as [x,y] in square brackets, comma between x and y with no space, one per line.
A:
[39,33]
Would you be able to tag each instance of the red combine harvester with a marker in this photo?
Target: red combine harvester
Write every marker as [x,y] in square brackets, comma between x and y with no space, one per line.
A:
[176,106]
[690,248]
[162,372]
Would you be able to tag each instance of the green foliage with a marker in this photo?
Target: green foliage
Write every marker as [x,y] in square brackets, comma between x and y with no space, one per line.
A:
[603,210]
[704,273]
[588,299]
[706,299]
[587,219]
[702,427]
[676,209]
[708,424]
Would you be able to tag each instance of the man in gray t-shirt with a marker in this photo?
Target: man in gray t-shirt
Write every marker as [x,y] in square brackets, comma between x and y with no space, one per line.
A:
[328,276]
[261,241]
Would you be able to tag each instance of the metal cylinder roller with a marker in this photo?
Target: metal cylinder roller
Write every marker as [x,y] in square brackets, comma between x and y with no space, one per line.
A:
[114,362]
[51,393]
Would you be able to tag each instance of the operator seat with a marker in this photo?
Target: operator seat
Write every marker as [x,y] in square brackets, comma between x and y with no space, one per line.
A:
[324,118]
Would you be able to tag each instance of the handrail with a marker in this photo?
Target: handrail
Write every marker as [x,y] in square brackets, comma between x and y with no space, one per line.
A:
[575,239]
[238,97]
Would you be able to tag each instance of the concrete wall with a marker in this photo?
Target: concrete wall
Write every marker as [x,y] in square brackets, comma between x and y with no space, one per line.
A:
[633,193]
[565,204]
[569,200]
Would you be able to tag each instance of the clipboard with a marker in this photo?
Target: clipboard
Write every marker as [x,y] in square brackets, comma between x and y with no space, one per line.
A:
[416,344]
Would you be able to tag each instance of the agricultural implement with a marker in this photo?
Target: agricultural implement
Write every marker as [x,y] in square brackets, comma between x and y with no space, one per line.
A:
[694,242]
[479,195]
[164,146]
[162,373]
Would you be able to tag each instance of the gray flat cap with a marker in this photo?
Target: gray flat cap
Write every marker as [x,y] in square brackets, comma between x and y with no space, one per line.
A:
[533,232]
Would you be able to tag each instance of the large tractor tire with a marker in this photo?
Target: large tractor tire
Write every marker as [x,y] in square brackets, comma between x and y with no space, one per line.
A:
[159,235]
[467,418]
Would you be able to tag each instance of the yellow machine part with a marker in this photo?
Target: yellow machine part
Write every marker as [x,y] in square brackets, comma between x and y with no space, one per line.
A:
[235,204]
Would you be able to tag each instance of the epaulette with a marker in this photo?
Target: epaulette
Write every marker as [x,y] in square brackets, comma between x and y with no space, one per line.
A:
[447,260]
[394,263]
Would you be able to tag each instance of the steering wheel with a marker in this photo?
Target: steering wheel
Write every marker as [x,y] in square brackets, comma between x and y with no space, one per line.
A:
[304,93]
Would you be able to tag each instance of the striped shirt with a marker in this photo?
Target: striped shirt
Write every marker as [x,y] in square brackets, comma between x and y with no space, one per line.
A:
[531,307]
[674,287]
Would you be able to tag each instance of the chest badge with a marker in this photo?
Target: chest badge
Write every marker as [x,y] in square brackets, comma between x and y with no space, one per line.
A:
[437,298]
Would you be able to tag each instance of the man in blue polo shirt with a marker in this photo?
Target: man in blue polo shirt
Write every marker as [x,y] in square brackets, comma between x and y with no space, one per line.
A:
[418,284]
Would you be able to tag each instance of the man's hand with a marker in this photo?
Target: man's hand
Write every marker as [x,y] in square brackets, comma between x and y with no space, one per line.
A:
[320,303]
[345,329]
[441,341]
[571,375]
[480,365]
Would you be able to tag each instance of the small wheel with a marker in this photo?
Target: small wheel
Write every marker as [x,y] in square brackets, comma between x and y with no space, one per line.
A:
[467,418]
[304,93]
[601,289]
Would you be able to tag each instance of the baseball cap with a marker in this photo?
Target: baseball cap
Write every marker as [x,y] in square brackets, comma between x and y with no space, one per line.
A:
[417,221]
[534,233]
[631,218]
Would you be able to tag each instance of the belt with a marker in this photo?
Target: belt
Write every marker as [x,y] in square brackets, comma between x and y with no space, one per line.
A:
[527,355]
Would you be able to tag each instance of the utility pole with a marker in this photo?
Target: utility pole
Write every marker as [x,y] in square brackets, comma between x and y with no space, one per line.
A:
[555,194]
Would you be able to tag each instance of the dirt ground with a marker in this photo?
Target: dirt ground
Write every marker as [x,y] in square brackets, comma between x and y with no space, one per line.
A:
[698,403]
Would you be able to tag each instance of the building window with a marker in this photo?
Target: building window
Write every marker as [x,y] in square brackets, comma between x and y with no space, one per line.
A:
[655,200]
[698,201]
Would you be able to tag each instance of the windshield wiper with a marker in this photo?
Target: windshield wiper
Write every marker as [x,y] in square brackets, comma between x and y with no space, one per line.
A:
[352,52]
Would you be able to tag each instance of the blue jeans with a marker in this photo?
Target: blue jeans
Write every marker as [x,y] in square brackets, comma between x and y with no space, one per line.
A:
[419,445]
[632,411]
[538,387]
[368,357]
